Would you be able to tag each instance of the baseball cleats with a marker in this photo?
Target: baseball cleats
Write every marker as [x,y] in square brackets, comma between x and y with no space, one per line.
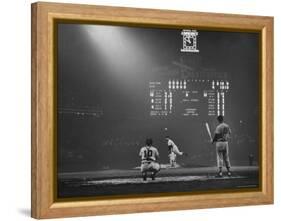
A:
[144,176]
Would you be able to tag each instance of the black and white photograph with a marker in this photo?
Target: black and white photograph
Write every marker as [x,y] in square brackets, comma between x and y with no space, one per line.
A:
[156,110]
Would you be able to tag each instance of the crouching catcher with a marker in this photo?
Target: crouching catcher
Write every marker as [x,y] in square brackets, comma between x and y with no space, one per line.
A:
[149,156]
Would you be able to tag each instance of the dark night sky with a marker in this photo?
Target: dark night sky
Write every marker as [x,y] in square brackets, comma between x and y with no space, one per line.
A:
[109,67]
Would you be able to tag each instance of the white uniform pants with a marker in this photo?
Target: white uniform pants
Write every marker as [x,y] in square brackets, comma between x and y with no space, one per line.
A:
[222,154]
[150,166]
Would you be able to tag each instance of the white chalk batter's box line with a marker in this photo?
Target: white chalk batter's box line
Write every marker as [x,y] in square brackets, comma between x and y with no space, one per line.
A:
[121,181]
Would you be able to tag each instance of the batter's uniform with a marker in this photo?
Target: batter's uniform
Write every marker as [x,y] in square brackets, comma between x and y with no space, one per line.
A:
[148,159]
[222,134]
[173,150]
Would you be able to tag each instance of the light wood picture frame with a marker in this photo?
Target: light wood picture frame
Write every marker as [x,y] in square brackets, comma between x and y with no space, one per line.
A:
[44,91]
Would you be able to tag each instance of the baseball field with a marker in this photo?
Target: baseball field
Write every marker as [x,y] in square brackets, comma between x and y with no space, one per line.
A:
[115,182]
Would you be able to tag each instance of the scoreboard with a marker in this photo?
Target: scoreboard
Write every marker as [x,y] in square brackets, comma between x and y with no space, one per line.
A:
[188,97]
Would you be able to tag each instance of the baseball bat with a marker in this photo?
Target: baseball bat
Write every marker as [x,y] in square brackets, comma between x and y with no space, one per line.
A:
[208,130]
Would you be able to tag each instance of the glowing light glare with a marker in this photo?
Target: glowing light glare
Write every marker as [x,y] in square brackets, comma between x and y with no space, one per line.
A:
[120,50]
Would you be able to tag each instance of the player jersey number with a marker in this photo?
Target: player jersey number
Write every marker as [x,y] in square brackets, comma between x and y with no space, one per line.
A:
[147,153]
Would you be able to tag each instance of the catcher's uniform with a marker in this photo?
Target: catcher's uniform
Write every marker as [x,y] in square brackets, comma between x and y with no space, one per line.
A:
[222,134]
[148,159]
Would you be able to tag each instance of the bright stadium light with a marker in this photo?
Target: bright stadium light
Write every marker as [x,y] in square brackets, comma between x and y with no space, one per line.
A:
[120,50]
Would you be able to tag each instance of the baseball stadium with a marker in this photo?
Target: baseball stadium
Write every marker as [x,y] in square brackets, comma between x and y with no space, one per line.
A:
[119,86]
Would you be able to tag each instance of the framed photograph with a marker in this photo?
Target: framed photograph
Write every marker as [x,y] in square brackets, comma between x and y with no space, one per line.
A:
[140,110]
